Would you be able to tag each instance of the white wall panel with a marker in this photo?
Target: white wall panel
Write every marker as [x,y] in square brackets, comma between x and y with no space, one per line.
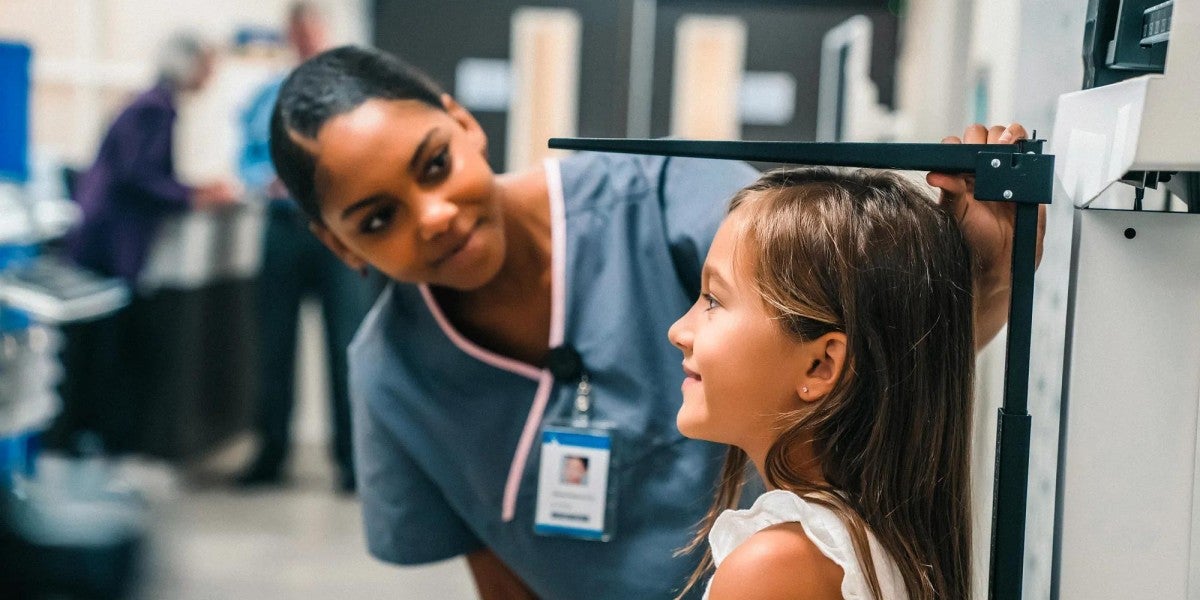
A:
[710,58]
[91,55]
[544,97]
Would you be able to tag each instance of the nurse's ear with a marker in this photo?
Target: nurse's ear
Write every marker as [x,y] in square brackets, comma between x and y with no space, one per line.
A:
[336,246]
[467,121]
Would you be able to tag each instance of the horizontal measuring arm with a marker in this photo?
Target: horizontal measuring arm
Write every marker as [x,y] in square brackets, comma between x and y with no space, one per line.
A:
[1016,173]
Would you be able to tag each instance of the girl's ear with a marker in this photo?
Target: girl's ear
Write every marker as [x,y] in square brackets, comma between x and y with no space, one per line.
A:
[826,357]
[336,246]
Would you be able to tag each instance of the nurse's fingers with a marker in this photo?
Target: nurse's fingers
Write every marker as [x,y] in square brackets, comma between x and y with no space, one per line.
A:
[975,134]
[954,185]
[1014,132]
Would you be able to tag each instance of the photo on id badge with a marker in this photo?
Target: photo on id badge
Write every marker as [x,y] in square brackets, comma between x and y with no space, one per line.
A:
[573,494]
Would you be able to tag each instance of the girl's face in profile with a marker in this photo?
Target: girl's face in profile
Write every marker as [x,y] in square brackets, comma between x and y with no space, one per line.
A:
[406,188]
[740,367]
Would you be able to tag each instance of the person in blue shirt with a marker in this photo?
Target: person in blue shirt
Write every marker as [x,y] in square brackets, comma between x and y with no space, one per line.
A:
[450,382]
[294,266]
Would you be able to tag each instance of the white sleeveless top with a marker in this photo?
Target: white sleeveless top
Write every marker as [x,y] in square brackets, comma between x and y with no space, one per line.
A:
[823,528]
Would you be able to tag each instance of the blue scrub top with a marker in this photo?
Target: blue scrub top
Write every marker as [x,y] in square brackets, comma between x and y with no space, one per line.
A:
[446,432]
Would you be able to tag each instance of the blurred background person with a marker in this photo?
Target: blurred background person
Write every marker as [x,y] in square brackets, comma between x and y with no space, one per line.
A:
[128,191]
[295,266]
[132,184]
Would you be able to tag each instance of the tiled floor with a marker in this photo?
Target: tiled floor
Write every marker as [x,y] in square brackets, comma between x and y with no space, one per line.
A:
[303,541]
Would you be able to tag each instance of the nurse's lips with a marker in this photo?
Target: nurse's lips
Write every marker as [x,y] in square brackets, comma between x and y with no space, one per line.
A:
[452,247]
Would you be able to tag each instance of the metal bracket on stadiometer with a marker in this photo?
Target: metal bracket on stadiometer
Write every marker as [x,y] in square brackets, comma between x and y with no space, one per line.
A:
[1017,173]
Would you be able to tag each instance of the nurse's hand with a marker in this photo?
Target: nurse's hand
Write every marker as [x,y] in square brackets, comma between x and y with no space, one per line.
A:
[988,229]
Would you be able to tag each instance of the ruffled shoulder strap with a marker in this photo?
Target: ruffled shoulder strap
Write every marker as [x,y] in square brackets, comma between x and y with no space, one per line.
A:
[822,526]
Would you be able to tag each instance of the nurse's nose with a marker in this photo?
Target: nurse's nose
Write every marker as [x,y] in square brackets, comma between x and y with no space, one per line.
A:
[435,217]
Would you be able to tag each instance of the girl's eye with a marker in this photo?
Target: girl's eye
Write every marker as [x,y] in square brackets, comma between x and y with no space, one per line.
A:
[376,221]
[712,302]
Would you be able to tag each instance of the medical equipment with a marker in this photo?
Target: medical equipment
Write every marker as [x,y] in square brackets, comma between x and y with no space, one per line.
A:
[69,536]
[1128,501]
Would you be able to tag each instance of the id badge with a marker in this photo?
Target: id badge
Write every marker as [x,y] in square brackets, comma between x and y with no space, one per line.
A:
[575,497]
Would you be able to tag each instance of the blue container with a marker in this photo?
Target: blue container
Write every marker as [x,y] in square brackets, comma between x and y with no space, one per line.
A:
[18,456]
[16,254]
[11,256]
[14,111]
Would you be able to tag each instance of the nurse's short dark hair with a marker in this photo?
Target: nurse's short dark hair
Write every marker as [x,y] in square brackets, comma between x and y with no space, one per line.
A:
[327,85]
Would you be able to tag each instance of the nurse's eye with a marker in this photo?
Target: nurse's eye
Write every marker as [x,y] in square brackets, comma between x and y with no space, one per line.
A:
[377,220]
[711,301]
[439,165]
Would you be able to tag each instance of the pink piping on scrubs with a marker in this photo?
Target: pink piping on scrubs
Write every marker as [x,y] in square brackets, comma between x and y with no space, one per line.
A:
[558,236]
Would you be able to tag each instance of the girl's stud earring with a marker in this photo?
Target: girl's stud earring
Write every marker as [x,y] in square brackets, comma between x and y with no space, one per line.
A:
[804,389]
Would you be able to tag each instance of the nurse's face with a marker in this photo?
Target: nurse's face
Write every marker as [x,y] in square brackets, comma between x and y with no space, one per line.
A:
[406,188]
[741,371]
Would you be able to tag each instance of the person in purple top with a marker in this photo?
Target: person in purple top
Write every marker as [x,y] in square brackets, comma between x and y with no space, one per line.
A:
[132,185]
[124,197]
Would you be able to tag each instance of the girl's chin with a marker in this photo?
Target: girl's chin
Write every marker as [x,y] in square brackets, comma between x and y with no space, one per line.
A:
[690,425]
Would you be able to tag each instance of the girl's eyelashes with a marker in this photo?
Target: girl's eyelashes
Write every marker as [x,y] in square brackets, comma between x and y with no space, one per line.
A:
[711,300]
[377,220]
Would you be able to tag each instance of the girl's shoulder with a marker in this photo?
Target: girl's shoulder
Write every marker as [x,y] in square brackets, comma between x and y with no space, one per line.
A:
[798,542]
[778,561]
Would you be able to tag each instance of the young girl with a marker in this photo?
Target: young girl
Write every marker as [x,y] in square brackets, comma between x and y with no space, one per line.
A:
[832,347]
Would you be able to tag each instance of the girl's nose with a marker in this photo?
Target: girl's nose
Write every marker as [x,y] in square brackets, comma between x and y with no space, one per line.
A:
[436,216]
[681,335]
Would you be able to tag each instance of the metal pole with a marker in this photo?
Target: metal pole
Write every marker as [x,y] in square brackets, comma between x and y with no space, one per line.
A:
[1012,434]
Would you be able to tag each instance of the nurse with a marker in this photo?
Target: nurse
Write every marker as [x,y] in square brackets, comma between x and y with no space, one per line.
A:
[522,302]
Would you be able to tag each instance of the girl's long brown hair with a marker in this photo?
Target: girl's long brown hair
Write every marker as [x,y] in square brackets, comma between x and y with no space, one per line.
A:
[869,254]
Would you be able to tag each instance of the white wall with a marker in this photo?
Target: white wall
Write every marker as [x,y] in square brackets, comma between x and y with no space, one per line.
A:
[91,55]
[1049,64]
[930,90]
